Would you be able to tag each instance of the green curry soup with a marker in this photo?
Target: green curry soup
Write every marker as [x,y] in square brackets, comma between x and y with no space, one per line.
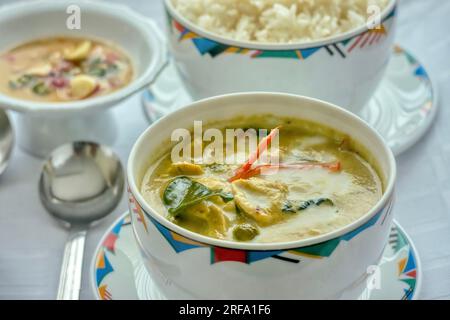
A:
[320,184]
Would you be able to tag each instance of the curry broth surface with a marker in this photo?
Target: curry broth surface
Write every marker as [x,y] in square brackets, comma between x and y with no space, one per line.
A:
[352,191]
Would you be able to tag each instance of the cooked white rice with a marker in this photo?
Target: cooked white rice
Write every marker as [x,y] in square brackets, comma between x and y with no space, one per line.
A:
[277,21]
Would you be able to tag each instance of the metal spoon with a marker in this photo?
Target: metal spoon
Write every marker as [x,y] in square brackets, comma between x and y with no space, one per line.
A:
[81,182]
[6,140]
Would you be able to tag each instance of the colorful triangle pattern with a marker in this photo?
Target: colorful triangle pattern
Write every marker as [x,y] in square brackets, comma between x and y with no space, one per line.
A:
[218,254]
[213,49]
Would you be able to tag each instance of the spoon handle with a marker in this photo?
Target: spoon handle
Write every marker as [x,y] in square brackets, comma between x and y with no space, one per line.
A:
[72,266]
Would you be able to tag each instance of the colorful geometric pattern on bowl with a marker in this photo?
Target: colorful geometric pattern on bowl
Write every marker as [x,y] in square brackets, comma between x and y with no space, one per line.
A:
[341,48]
[219,254]
[103,266]
[398,256]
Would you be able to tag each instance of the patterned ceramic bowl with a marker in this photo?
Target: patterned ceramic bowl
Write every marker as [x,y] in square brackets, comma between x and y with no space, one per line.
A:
[344,69]
[188,265]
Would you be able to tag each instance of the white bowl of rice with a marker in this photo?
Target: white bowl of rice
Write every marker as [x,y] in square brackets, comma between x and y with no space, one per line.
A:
[334,50]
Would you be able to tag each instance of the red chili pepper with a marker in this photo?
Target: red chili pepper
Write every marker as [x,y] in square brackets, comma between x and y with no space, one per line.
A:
[254,156]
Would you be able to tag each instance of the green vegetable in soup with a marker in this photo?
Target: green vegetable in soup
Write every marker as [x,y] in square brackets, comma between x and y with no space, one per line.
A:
[306,204]
[41,89]
[183,192]
[245,232]
[22,81]
[98,72]
[100,68]
[289,207]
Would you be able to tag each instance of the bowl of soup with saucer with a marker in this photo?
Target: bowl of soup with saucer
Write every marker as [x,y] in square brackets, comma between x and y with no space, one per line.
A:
[62,76]
[261,196]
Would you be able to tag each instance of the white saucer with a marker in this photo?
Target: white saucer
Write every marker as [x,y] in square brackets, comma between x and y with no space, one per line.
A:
[402,109]
[117,272]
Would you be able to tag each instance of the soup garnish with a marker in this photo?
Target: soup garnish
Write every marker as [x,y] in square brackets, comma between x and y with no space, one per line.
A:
[63,69]
[320,184]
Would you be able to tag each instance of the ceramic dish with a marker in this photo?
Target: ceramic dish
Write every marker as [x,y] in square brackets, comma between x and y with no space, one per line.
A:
[344,69]
[406,89]
[188,265]
[42,126]
[117,271]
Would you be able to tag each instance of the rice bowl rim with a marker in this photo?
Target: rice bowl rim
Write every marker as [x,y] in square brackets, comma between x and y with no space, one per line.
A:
[274,46]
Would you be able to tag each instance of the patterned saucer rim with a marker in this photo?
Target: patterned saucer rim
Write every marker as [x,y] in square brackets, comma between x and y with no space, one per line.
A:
[114,226]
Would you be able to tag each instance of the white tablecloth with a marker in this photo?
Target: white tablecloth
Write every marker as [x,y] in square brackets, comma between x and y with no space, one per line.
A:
[32,243]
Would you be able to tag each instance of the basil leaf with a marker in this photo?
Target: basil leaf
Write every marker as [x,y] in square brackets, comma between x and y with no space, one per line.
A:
[226,196]
[289,207]
[317,202]
[183,192]
[321,201]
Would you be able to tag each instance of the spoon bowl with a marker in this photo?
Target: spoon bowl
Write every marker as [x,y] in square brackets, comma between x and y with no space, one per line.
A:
[6,140]
[81,183]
